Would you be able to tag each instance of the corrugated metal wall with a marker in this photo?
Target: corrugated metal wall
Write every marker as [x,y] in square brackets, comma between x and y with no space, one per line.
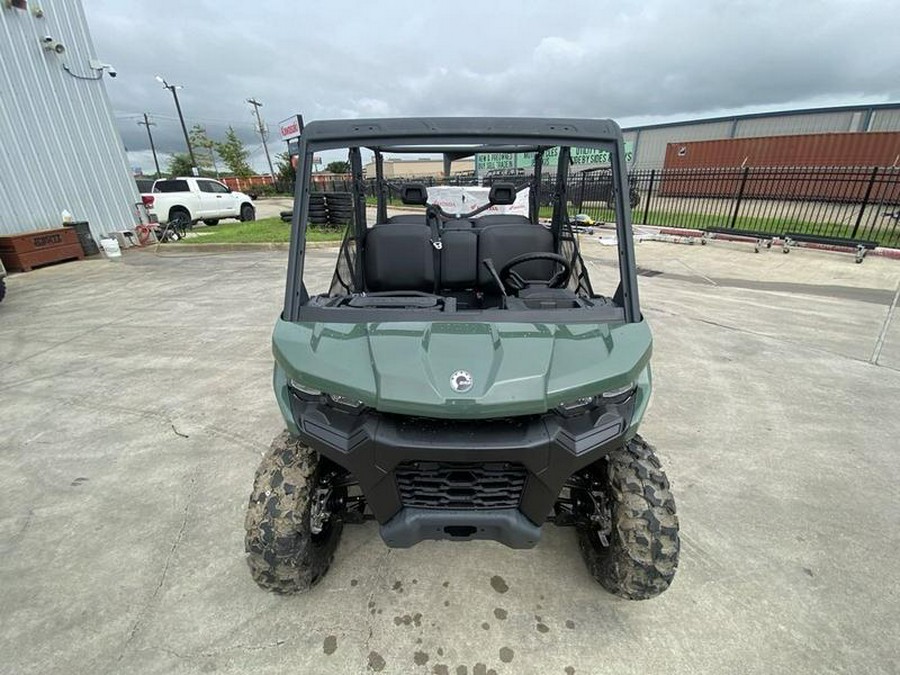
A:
[801,150]
[787,125]
[651,141]
[59,146]
[651,145]
[885,120]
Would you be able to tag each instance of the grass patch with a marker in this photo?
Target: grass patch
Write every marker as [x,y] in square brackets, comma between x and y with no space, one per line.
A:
[267,230]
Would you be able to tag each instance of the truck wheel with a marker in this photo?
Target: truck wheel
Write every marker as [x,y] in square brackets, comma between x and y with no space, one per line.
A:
[248,213]
[2,289]
[211,221]
[292,529]
[638,558]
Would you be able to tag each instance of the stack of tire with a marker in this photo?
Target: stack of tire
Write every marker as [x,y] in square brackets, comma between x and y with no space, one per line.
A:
[318,209]
[340,208]
[327,209]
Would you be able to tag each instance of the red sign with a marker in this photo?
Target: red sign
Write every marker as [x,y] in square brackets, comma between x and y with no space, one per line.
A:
[292,127]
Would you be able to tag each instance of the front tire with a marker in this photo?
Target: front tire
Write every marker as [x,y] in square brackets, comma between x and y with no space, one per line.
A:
[640,556]
[285,555]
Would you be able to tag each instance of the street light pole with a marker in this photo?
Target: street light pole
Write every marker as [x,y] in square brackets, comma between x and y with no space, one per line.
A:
[173,88]
[147,123]
[262,133]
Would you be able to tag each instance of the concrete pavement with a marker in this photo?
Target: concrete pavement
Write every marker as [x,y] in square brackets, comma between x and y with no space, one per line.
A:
[136,404]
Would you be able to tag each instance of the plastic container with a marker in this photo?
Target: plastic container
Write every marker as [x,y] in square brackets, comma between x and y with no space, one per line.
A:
[111,249]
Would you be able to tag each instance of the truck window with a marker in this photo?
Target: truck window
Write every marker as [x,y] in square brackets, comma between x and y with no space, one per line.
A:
[171,186]
[206,185]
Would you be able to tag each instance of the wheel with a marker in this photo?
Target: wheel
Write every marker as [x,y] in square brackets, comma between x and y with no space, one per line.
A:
[179,221]
[248,213]
[291,529]
[637,554]
[2,289]
[211,221]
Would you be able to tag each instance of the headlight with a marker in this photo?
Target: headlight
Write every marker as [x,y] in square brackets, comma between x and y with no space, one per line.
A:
[576,406]
[338,401]
[345,402]
[303,390]
[619,394]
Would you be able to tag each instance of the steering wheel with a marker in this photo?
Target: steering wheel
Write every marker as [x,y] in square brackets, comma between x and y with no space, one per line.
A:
[513,280]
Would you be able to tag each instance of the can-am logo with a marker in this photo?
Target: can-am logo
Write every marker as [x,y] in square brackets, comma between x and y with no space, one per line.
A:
[461,381]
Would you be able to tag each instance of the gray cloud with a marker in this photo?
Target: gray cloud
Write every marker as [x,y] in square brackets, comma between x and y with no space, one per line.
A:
[654,60]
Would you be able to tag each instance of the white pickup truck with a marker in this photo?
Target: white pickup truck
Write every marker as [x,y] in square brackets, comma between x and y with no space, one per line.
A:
[186,200]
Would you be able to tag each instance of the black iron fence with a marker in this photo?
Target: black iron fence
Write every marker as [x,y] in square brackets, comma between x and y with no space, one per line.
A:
[861,203]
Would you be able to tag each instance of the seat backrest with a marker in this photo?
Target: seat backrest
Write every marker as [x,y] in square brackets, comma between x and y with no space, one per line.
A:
[407,218]
[399,257]
[503,242]
[500,219]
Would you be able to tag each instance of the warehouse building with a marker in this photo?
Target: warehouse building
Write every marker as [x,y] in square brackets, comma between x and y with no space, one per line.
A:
[61,148]
[647,144]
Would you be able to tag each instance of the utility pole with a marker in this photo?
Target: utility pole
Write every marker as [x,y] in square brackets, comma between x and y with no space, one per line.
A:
[262,133]
[147,123]
[173,88]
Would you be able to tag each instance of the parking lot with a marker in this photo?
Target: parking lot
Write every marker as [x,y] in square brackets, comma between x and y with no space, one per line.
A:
[137,401]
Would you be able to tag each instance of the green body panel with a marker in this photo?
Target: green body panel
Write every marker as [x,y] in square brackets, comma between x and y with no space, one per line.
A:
[517,368]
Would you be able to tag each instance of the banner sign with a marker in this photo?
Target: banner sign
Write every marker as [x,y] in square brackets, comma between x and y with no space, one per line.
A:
[488,161]
[462,199]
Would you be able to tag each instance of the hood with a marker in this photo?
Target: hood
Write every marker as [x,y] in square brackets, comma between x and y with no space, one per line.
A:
[462,369]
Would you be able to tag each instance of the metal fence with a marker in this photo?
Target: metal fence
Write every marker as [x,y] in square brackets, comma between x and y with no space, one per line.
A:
[860,203]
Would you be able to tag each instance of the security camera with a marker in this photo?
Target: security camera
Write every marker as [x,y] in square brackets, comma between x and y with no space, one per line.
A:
[52,45]
[96,64]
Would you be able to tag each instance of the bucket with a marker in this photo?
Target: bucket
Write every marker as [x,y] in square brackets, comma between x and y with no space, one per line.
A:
[111,248]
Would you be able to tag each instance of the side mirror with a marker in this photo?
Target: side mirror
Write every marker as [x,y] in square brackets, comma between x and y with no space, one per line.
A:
[502,194]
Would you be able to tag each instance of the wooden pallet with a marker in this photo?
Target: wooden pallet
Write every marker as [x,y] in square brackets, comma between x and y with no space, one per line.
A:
[23,252]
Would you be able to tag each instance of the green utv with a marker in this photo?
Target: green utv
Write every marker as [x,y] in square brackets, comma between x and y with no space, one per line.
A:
[460,378]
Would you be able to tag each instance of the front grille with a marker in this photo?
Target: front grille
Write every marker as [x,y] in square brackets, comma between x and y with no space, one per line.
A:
[456,485]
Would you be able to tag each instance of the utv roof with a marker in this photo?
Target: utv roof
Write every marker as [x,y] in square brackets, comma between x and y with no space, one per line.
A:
[461,130]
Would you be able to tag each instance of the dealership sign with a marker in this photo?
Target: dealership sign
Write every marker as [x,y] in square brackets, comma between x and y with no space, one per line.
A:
[487,161]
[292,127]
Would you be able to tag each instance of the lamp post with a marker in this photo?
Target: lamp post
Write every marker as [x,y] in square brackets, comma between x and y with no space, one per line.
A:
[173,88]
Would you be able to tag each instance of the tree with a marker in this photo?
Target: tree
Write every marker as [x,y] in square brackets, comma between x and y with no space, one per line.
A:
[338,167]
[234,154]
[180,164]
[285,173]
[204,150]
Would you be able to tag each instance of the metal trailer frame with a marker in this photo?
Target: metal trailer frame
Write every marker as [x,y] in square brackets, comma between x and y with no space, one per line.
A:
[458,137]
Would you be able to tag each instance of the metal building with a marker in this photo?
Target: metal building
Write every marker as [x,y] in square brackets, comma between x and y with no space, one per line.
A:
[59,145]
[649,142]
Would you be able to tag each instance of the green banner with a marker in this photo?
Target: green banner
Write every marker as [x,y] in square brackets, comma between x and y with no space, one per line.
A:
[488,161]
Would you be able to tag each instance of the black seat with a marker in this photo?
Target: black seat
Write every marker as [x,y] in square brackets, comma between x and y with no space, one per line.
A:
[418,218]
[399,257]
[501,242]
[501,219]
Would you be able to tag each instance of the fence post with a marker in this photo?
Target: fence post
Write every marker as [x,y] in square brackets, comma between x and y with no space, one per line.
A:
[649,196]
[865,202]
[740,196]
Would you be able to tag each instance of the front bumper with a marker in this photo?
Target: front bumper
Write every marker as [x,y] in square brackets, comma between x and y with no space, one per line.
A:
[545,450]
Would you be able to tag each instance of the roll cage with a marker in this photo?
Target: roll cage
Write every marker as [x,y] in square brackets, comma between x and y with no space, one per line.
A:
[454,139]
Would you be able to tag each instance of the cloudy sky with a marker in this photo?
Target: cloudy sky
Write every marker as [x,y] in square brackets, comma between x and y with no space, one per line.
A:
[637,62]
